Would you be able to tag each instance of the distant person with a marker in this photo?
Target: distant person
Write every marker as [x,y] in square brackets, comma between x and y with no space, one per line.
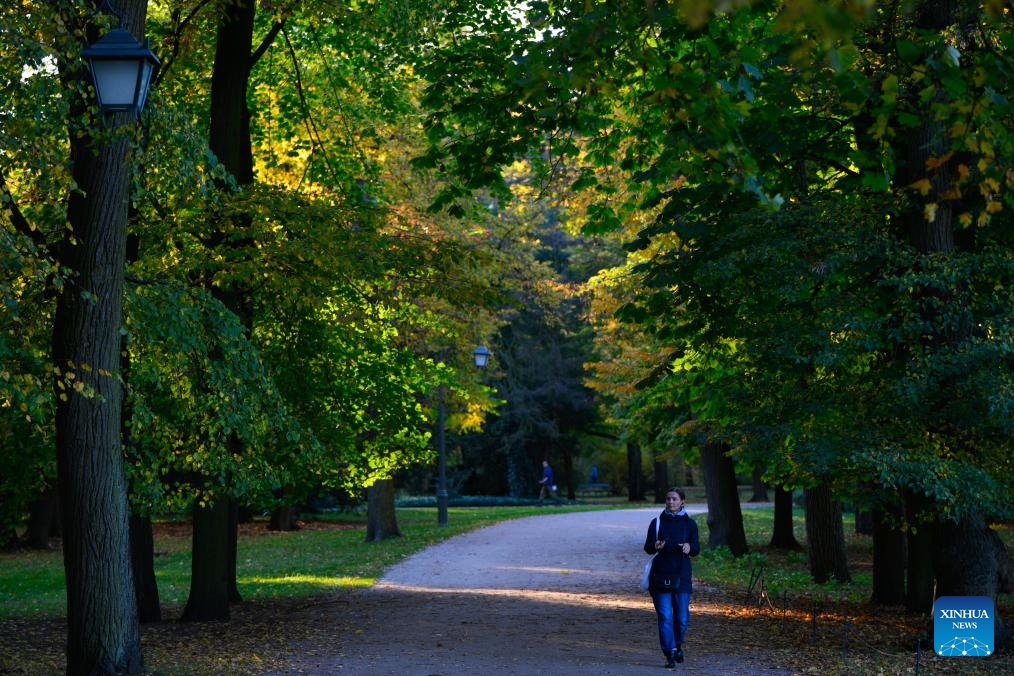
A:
[594,474]
[547,486]
[675,541]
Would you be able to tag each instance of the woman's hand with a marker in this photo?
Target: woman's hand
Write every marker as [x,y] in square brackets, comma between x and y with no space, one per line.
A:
[659,544]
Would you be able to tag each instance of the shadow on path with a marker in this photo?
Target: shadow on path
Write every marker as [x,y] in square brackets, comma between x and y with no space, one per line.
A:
[553,594]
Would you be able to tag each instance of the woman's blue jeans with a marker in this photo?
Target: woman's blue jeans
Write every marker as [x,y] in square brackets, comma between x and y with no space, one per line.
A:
[671,635]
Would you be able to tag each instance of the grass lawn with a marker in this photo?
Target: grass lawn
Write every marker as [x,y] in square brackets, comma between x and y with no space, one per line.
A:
[329,551]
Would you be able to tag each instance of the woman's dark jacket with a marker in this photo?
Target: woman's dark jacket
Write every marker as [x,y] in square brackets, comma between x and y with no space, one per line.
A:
[671,568]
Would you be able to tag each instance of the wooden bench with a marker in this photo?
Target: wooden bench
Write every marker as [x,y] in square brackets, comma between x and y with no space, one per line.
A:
[593,490]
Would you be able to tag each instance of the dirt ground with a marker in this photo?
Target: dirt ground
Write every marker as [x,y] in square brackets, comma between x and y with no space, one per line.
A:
[555,594]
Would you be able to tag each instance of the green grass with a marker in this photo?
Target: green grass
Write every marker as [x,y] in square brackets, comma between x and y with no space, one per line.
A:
[313,561]
[782,572]
[297,564]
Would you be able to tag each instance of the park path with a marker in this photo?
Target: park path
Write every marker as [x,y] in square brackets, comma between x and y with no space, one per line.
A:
[550,594]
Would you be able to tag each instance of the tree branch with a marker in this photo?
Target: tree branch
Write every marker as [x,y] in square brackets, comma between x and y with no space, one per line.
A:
[18,219]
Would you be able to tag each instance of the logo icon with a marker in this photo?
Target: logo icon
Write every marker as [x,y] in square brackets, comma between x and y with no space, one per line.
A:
[963,626]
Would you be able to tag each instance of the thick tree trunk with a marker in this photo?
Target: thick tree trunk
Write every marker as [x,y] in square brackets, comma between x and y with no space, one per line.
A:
[381,519]
[284,518]
[970,560]
[142,557]
[783,535]
[209,569]
[919,555]
[825,535]
[635,478]
[41,514]
[725,517]
[889,557]
[661,481]
[103,635]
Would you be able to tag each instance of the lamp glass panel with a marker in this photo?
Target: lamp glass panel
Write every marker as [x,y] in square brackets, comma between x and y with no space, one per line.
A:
[116,82]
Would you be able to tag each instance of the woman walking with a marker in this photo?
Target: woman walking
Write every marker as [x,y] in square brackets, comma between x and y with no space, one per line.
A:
[673,538]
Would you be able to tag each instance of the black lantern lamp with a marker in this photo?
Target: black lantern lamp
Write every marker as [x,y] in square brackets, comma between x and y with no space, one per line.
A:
[481,355]
[121,71]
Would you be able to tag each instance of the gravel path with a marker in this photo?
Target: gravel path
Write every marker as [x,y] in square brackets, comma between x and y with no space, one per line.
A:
[551,594]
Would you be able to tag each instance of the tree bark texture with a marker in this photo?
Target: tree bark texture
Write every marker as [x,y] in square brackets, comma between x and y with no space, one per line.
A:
[825,535]
[783,535]
[970,560]
[725,517]
[103,635]
[209,577]
[381,519]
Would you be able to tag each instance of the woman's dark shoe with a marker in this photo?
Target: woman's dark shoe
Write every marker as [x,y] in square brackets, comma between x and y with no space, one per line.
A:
[678,654]
[670,660]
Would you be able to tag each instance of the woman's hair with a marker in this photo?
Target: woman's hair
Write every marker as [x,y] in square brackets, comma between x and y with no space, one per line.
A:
[679,492]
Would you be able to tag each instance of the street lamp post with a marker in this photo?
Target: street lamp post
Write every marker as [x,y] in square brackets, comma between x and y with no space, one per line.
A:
[441,458]
[102,617]
[481,356]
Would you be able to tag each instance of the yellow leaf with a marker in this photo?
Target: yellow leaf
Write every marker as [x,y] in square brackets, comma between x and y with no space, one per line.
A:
[923,186]
[930,212]
[934,162]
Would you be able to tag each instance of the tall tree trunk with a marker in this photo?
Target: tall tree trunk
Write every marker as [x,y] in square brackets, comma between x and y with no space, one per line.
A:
[725,516]
[783,535]
[970,560]
[635,478]
[921,580]
[889,556]
[103,635]
[825,535]
[142,557]
[661,480]
[967,557]
[381,519]
[209,567]
[229,139]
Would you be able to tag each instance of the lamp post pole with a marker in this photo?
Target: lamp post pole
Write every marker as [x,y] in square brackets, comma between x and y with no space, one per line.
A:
[481,357]
[441,458]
